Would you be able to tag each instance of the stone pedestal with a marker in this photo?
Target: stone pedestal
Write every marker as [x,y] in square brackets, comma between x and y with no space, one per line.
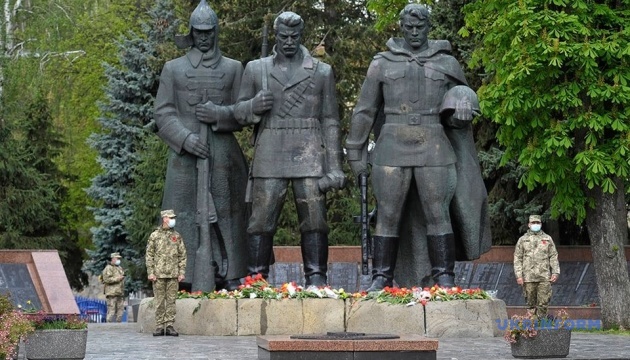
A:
[461,318]
[407,347]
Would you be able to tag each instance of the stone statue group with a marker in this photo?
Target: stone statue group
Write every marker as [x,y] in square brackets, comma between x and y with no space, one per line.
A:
[431,200]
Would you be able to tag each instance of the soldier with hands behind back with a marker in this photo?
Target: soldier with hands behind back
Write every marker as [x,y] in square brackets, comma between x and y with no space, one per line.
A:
[166,266]
[536,266]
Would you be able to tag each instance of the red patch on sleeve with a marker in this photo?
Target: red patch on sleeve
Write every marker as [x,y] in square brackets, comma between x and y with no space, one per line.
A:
[174,238]
[544,242]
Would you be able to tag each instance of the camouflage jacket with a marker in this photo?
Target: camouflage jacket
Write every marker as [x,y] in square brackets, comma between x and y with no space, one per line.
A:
[166,254]
[113,286]
[535,257]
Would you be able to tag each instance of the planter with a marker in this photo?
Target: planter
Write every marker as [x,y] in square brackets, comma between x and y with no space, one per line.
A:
[56,344]
[549,343]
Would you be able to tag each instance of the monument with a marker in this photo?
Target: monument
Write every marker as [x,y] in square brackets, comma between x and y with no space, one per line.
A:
[290,98]
[206,176]
[431,200]
[36,276]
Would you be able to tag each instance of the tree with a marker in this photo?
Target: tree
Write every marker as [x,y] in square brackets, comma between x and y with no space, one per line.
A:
[145,196]
[31,184]
[557,87]
[127,108]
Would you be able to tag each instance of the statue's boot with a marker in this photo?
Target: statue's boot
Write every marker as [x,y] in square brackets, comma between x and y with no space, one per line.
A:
[442,256]
[315,256]
[260,252]
[384,262]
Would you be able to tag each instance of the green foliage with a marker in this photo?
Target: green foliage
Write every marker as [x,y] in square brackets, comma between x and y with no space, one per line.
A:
[557,86]
[31,183]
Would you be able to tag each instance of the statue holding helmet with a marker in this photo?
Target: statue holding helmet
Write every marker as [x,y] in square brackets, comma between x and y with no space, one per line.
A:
[197,93]
[431,200]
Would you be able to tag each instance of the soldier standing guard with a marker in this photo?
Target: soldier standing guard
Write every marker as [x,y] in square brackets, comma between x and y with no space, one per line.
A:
[536,266]
[198,90]
[114,279]
[166,265]
[297,141]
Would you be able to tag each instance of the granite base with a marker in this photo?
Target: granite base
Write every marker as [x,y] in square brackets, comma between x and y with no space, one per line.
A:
[407,347]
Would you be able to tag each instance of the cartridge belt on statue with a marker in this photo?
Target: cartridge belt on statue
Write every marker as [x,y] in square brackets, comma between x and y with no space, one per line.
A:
[292,123]
[412,119]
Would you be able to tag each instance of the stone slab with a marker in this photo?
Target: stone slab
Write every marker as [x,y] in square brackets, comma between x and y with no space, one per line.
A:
[407,347]
[211,318]
[48,279]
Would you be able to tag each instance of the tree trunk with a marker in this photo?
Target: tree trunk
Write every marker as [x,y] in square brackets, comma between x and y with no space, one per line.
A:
[607,227]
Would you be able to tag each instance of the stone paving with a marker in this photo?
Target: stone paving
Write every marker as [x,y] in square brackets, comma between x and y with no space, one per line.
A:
[124,342]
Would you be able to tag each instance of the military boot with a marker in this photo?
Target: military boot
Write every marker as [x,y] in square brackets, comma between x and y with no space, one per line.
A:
[170,331]
[384,262]
[260,254]
[159,331]
[315,257]
[442,256]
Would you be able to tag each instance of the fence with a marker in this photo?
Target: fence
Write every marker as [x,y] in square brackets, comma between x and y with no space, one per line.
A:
[93,310]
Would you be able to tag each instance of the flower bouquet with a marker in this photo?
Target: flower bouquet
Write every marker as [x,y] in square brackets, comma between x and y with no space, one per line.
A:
[256,287]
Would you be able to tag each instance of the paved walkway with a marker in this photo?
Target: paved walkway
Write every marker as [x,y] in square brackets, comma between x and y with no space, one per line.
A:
[124,342]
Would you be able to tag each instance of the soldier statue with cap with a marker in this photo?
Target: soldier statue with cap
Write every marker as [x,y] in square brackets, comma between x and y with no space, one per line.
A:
[431,200]
[196,96]
[114,279]
[290,98]
[536,266]
[166,267]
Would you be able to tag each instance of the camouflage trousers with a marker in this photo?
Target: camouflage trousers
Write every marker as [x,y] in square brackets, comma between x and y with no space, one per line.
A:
[165,294]
[537,296]
[115,308]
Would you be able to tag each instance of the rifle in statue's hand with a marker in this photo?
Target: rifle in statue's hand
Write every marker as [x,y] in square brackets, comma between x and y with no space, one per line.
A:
[257,118]
[366,239]
[205,265]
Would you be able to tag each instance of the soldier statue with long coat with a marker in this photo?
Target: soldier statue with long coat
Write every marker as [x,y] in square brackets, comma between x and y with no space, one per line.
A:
[197,90]
[431,200]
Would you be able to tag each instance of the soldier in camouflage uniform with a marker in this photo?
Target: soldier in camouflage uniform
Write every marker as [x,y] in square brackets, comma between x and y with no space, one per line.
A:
[114,280]
[536,266]
[166,266]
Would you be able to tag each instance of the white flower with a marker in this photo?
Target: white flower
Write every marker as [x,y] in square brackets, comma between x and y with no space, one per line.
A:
[291,289]
[252,296]
[331,294]
[315,290]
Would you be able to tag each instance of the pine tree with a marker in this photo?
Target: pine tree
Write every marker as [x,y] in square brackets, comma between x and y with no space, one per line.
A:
[31,185]
[129,190]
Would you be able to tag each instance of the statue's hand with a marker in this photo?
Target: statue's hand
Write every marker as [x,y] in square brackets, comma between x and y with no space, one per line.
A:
[335,179]
[207,112]
[193,145]
[359,167]
[263,101]
[463,110]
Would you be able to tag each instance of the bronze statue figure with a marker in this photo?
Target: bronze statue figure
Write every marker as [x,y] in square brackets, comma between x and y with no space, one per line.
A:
[206,177]
[290,96]
[431,199]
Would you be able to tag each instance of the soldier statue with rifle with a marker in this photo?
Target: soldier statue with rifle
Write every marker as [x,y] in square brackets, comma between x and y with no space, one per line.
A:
[290,96]
[206,178]
[431,199]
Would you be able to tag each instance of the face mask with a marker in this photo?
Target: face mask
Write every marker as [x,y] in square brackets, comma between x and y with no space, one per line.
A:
[535,227]
[117,262]
[171,223]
